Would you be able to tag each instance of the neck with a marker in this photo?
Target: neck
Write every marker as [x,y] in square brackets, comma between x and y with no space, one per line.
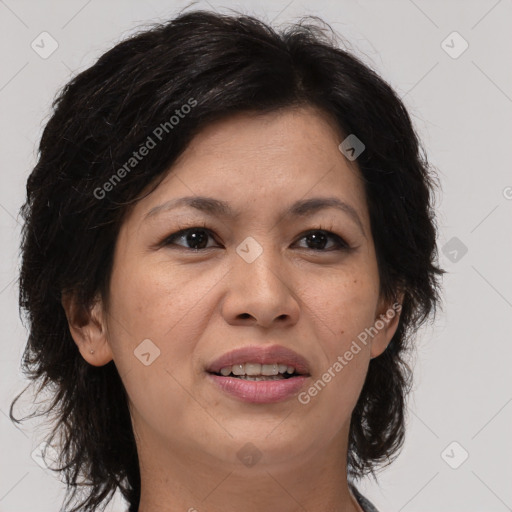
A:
[180,479]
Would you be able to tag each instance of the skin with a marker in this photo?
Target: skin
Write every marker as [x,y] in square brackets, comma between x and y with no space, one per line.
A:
[195,306]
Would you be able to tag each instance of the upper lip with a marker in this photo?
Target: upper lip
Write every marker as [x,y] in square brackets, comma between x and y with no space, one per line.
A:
[262,355]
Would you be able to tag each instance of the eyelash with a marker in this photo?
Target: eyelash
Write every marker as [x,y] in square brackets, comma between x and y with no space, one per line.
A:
[342,244]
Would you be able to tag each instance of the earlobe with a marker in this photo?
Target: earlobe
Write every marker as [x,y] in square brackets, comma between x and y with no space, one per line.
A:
[386,324]
[88,330]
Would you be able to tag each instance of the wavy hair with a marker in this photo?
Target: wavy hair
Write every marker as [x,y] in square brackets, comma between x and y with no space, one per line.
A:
[227,64]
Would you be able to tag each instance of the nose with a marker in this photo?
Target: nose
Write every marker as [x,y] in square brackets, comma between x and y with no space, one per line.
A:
[261,293]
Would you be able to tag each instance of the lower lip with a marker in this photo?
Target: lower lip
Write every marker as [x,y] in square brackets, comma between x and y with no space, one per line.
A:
[262,391]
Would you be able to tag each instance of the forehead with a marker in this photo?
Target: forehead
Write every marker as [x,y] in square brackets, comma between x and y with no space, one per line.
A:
[269,132]
[262,161]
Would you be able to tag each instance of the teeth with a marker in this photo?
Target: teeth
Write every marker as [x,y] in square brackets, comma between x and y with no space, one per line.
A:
[269,369]
[253,369]
[256,369]
[270,377]
[238,369]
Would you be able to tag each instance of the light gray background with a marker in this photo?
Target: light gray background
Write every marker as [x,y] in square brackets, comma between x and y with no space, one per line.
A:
[462,109]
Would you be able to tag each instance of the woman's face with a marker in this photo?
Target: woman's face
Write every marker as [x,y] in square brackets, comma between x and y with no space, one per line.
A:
[173,310]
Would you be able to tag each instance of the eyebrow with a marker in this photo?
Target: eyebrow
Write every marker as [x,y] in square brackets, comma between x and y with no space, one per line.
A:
[220,208]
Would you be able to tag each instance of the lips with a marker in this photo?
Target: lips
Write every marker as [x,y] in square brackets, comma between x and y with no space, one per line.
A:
[261,355]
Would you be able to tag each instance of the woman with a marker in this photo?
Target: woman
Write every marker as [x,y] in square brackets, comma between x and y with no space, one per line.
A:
[229,244]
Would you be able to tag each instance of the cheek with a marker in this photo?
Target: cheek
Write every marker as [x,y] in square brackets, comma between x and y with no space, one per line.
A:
[157,312]
[152,299]
[357,305]
[341,307]
[342,303]
[165,305]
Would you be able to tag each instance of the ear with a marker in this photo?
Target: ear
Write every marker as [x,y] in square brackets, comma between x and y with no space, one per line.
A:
[386,324]
[88,329]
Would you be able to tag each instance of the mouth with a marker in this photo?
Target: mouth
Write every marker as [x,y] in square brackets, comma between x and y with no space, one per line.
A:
[259,361]
[260,374]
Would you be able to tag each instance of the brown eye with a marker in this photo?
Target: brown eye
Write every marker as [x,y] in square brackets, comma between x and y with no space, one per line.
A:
[318,239]
[196,237]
